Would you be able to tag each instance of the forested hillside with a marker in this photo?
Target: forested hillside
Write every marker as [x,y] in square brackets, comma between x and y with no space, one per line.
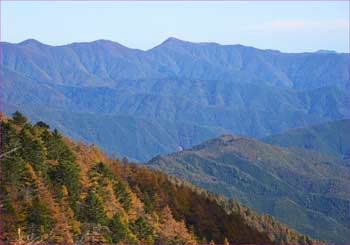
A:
[332,138]
[57,191]
[304,189]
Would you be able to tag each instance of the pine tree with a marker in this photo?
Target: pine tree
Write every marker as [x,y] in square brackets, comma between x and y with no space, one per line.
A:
[33,150]
[12,165]
[123,195]
[9,138]
[67,173]
[40,217]
[119,229]
[19,119]
[67,210]
[143,230]
[92,210]
[41,124]
[56,148]
[148,203]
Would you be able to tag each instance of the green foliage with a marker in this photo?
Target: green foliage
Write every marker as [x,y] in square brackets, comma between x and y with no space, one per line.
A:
[9,138]
[119,229]
[39,217]
[13,170]
[102,169]
[92,210]
[121,192]
[19,119]
[33,150]
[290,184]
[149,208]
[142,229]
[67,173]
[330,138]
[56,148]
[12,165]
[41,124]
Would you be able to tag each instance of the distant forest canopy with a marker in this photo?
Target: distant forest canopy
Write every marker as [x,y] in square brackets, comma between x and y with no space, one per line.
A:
[331,138]
[57,191]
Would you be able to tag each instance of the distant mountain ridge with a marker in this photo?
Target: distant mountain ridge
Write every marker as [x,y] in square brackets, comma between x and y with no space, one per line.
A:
[322,51]
[308,191]
[332,138]
[202,89]
[176,58]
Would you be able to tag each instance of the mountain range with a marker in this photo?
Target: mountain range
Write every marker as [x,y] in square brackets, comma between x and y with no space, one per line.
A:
[290,110]
[175,95]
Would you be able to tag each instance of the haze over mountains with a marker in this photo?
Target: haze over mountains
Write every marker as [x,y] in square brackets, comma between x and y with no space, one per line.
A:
[175,95]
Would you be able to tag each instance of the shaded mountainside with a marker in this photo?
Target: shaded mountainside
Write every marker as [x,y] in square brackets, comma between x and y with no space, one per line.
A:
[308,191]
[332,138]
[219,88]
[194,89]
[135,137]
[57,191]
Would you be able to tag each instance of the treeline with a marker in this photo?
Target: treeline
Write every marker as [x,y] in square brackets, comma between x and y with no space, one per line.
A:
[57,191]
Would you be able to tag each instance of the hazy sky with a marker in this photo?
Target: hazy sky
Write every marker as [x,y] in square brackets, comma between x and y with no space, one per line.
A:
[286,26]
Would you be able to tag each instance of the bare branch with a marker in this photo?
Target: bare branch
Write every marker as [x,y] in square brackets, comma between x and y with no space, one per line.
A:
[9,152]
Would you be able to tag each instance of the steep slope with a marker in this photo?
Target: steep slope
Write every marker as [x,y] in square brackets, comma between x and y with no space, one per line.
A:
[332,138]
[308,191]
[57,191]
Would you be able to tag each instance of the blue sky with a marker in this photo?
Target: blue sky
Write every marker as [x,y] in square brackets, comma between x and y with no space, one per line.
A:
[286,26]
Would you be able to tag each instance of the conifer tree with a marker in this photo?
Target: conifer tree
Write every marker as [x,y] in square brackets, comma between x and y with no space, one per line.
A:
[33,150]
[67,210]
[122,194]
[41,124]
[143,230]
[19,119]
[67,173]
[40,217]
[119,229]
[92,210]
